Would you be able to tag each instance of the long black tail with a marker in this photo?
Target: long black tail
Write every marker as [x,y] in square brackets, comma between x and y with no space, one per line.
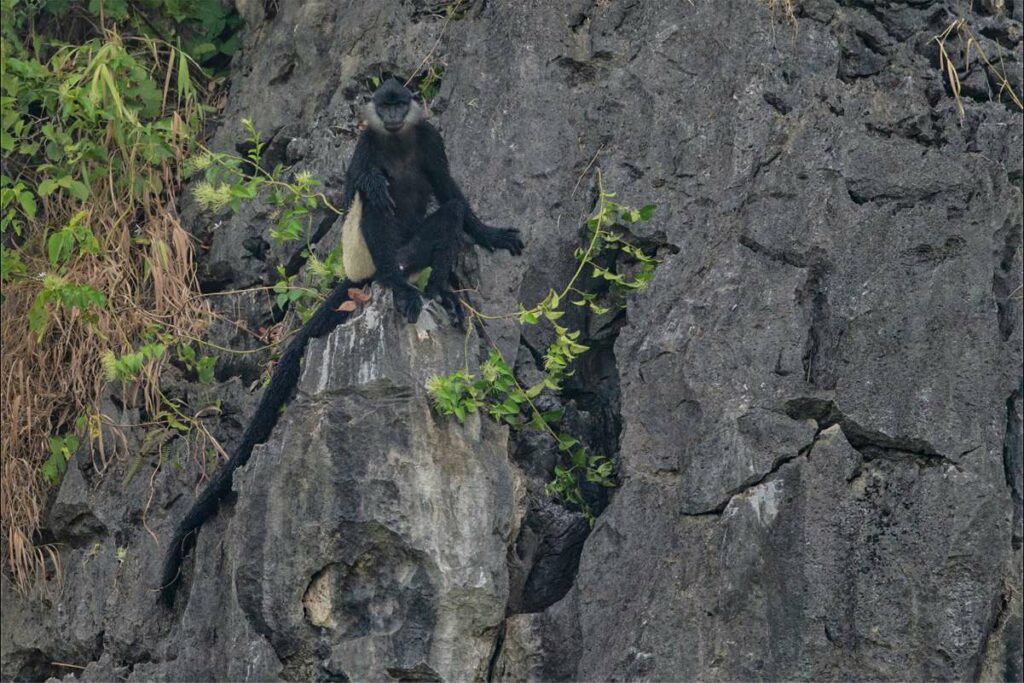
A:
[277,393]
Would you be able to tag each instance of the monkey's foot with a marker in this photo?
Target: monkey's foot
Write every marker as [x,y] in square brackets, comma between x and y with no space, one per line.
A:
[408,302]
[507,239]
[453,307]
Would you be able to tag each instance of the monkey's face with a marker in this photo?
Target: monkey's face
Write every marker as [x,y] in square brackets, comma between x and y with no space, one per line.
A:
[392,115]
[392,108]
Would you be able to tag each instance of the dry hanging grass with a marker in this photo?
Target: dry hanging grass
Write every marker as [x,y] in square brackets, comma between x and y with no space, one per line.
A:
[48,383]
[782,8]
[969,44]
[143,267]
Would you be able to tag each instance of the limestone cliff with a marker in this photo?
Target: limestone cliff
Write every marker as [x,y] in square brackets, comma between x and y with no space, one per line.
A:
[815,408]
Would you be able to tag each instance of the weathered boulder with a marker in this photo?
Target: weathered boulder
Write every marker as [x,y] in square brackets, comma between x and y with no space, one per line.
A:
[369,536]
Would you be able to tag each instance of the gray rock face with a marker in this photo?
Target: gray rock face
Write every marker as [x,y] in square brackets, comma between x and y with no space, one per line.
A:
[815,408]
[839,558]
[403,569]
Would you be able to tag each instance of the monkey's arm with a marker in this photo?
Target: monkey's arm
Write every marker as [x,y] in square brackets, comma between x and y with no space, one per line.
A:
[361,176]
[445,188]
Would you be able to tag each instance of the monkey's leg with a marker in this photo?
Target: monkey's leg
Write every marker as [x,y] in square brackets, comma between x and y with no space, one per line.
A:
[383,235]
[436,245]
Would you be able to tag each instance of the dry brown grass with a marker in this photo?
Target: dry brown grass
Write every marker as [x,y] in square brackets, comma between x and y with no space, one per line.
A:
[785,9]
[958,38]
[47,384]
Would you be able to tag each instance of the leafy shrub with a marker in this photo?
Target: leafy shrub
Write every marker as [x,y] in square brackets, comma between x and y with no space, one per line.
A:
[100,101]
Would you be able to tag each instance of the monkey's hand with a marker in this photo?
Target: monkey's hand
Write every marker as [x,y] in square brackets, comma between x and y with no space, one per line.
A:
[507,239]
[374,185]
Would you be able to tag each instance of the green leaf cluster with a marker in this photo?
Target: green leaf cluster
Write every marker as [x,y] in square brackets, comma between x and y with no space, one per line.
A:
[201,366]
[62,449]
[229,180]
[611,243]
[59,294]
[496,390]
[87,131]
[287,294]
[430,85]
[128,367]
[87,119]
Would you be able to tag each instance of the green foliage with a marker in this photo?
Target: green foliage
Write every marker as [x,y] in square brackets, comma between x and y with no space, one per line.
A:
[83,117]
[454,11]
[11,264]
[423,278]
[81,124]
[608,241]
[62,449]
[328,269]
[202,366]
[129,367]
[430,85]
[63,295]
[98,118]
[229,180]
[17,201]
[60,245]
[208,28]
[99,100]
[287,293]
[497,390]
[294,202]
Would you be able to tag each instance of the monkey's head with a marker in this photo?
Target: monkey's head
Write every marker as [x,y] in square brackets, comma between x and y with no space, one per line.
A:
[392,109]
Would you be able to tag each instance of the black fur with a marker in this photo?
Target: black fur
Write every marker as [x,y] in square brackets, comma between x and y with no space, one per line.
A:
[277,393]
[396,168]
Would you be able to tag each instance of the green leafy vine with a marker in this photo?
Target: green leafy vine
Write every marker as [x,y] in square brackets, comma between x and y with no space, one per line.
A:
[495,388]
[229,180]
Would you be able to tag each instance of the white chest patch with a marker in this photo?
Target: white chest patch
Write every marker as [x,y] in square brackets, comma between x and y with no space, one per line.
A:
[355,255]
